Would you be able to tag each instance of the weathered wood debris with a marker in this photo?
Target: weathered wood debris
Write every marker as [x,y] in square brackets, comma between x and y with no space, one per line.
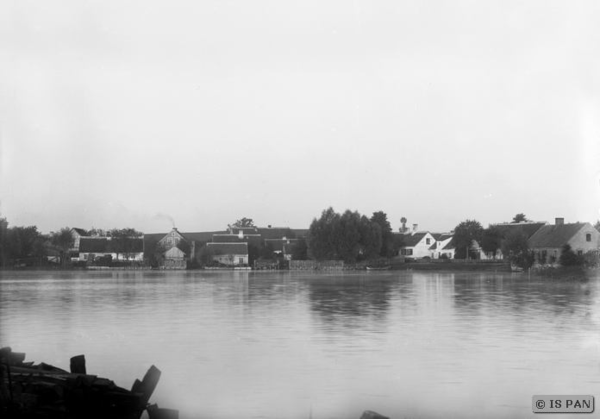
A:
[42,391]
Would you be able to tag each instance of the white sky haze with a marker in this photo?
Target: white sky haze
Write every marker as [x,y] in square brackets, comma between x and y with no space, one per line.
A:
[125,113]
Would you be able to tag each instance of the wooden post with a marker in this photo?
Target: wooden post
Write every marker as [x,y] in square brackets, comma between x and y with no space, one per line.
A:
[147,385]
[78,364]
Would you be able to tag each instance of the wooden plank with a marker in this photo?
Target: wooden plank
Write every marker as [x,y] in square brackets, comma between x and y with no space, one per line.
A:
[78,364]
[148,384]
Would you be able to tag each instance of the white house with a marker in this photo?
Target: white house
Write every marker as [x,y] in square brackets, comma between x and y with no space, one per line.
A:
[443,248]
[417,245]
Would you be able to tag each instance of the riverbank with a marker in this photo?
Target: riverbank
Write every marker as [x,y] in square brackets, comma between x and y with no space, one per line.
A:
[564,273]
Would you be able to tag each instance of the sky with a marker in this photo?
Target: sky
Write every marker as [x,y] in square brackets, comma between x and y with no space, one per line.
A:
[149,114]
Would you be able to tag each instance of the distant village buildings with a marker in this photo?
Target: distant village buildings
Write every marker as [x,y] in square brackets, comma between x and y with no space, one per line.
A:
[241,247]
[228,248]
[545,240]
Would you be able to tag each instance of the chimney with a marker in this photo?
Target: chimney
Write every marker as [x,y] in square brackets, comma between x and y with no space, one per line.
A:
[415,227]
[559,221]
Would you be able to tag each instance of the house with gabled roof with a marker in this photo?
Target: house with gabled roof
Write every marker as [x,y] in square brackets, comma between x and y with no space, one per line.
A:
[443,248]
[77,234]
[547,242]
[171,250]
[417,244]
[229,254]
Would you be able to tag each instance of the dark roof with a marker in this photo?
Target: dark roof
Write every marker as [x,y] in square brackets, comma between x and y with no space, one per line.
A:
[554,236]
[229,248]
[276,232]
[94,245]
[150,240]
[201,237]
[300,232]
[246,230]
[411,240]
[528,228]
[228,238]
[450,245]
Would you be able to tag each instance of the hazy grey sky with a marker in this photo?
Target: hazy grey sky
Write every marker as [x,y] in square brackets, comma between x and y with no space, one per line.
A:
[119,113]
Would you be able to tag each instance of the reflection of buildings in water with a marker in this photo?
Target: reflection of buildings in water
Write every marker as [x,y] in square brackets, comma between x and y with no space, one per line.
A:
[350,301]
[427,291]
[520,293]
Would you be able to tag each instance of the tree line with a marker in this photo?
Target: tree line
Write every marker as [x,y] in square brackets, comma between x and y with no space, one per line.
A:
[351,237]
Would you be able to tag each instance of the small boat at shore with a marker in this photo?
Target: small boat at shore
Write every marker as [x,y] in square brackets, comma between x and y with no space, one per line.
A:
[379,268]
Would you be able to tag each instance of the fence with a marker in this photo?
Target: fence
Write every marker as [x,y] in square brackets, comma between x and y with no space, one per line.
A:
[313,265]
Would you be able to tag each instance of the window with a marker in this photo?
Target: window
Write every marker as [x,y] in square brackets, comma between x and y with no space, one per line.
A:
[409,252]
[427,241]
[588,237]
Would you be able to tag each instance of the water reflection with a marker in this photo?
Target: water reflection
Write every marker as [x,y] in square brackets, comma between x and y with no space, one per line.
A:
[285,344]
[349,300]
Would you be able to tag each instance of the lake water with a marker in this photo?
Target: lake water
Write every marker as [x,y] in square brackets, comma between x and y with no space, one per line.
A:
[304,345]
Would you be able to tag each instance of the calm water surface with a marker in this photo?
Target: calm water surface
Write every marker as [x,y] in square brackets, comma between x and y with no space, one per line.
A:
[297,345]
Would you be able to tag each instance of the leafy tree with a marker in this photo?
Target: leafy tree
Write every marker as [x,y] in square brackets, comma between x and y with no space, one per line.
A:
[320,238]
[597,225]
[253,253]
[387,237]
[20,244]
[267,252]
[464,235]
[371,240]
[516,249]
[244,222]
[491,240]
[398,243]
[300,250]
[519,218]
[124,241]
[205,255]
[62,240]
[349,236]
[4,242]
[568,257]
[591,259]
